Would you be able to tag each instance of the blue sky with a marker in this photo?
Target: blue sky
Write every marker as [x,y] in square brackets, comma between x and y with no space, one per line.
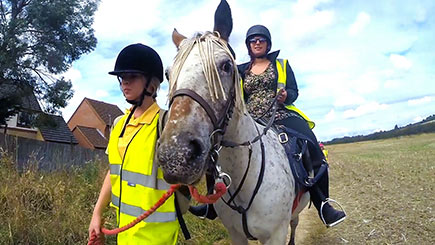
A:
[361,66]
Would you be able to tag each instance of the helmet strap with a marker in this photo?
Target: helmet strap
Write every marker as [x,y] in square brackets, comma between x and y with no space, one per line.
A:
[128,120]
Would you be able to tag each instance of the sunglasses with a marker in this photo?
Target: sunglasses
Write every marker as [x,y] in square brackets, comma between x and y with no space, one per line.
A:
[255,40]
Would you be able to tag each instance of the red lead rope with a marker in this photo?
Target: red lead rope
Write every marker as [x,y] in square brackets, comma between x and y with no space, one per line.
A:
[220,189]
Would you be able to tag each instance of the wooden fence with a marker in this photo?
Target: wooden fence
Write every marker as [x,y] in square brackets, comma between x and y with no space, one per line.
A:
[47,156]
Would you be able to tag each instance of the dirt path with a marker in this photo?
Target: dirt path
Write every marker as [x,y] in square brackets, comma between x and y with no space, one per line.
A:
[307,224]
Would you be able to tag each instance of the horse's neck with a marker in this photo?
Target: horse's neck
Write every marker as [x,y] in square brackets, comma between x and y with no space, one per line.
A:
[241,128]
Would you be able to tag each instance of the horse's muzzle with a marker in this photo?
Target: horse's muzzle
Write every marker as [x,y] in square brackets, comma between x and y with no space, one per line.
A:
[182,158]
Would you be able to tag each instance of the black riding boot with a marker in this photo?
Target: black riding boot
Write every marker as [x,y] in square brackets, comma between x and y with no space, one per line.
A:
[320,195]
[204,211]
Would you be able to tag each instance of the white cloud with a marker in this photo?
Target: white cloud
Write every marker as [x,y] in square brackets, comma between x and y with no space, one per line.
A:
[307,6]
[390,84]
[420,101]
[101,93]
[331,116]
[329,63]
[133,16]
[417,119]
[362,20]
[347,98]
[400,61]
[421,15]
[73,74]
[366,83]
[364,109]
[304,25]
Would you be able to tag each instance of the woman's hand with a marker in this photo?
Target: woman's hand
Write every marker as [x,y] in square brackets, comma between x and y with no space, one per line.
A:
[282,95]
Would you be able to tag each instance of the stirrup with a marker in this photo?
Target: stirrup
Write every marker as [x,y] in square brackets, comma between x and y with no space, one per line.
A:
[206,213]
[327,200]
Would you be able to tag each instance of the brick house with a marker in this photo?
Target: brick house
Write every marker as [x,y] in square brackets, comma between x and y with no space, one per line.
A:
[91,123]
[54,129]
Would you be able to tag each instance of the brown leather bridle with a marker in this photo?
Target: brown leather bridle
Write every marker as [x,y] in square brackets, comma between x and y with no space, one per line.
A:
[219,125]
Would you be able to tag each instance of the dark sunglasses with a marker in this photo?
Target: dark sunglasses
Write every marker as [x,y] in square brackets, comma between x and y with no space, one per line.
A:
[255,40]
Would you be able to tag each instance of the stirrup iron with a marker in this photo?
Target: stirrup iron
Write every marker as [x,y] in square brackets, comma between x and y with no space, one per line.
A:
[327,200]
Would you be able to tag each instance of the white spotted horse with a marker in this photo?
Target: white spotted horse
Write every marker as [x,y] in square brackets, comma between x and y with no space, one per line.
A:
[207,124]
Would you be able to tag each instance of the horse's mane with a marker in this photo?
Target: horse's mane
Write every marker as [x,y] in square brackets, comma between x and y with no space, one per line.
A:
[206,50]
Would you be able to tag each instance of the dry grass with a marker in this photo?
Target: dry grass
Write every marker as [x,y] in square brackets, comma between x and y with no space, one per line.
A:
[388,190]
[386,187]
[55,208]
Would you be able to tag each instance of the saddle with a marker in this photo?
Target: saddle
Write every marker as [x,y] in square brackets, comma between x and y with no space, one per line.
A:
[302,155]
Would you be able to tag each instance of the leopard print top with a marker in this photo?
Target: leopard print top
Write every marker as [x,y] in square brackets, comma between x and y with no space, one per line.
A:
[260,92]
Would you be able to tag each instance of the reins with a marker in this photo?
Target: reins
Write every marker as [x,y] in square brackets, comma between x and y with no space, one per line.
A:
[231,202]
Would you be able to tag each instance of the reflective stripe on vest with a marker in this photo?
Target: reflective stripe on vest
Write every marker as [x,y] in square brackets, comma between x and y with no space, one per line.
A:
[142,186]
[281,66]
[137,211]
[138,179]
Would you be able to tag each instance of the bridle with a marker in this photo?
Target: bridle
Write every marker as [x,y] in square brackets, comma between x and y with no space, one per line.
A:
[219,124]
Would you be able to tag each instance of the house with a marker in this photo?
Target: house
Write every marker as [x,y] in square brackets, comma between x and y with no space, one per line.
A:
[51,128]
[91,123]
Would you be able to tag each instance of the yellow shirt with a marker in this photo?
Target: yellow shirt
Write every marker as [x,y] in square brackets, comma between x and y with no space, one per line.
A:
[134,125]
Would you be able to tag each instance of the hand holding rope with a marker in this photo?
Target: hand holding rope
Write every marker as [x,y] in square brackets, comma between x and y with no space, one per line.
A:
[220,189]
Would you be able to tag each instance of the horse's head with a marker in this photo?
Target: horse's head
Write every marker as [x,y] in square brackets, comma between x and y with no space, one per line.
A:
[203,82]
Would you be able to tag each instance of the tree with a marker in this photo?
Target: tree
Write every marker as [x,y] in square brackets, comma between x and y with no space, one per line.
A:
[39,39]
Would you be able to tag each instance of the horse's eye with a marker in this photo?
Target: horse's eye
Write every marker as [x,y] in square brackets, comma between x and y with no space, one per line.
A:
[227,66]
[167,70]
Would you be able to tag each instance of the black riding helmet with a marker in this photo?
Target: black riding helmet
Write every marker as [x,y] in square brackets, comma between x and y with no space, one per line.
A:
[139,58]
[258,30]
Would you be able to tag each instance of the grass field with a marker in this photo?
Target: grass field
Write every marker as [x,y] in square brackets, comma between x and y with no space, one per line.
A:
[387,188]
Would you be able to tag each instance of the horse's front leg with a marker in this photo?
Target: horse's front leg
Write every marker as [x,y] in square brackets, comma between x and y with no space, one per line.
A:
[293,224]
[279,236]
[236,237]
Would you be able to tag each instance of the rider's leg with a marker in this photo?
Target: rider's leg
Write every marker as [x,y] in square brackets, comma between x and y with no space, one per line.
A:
[319,195]
[319,192]
[204,211]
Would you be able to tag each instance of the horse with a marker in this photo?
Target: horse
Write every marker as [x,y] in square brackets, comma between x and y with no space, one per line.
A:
[208,124]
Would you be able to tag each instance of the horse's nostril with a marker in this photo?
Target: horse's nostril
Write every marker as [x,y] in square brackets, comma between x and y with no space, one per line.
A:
[196,148]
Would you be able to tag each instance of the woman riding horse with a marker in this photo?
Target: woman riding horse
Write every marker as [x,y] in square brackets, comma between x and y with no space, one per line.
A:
[262,81]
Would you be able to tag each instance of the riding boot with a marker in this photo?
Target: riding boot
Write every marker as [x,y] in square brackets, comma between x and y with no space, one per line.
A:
[204,211]
[320,197]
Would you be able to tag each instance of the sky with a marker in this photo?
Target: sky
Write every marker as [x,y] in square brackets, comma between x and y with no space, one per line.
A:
[361,66]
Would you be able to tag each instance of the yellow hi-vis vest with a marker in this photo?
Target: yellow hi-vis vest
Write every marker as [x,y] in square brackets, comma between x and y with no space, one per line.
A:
[281,66]
[137,184]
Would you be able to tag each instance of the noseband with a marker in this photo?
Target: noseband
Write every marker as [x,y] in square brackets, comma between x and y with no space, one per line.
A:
[217,124]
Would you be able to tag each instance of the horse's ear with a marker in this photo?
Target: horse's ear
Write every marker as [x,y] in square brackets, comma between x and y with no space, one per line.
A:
[223,21]
[177,37]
